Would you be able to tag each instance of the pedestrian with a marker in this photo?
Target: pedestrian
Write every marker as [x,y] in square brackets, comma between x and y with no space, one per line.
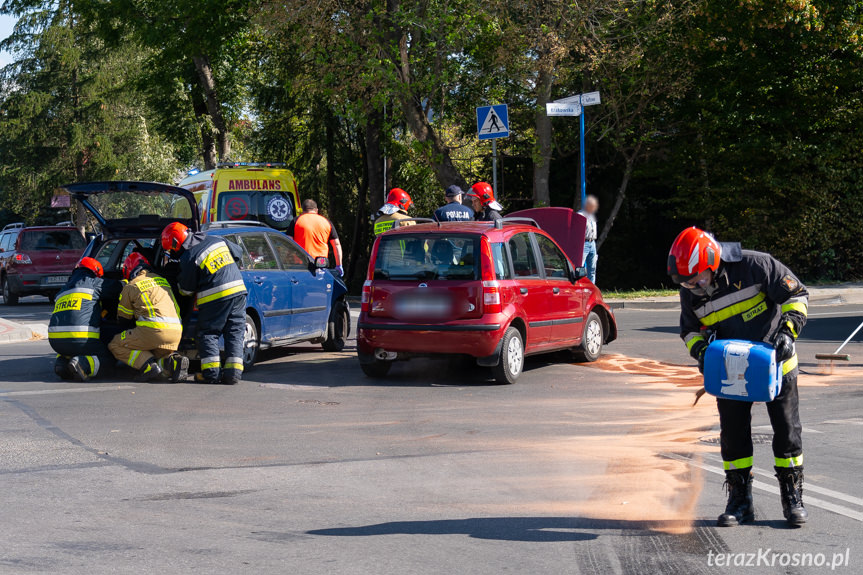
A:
[148,301]
[74,329]
[396,208]
[208,269]
[731,293]
[453,210]
[591,206]
[485,208]
[315,234]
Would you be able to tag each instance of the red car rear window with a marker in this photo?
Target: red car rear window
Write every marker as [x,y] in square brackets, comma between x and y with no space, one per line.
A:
[428,257]
[35,240]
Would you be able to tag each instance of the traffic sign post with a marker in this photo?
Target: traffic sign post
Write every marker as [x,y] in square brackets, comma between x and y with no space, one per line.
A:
[492,122]
[574,106]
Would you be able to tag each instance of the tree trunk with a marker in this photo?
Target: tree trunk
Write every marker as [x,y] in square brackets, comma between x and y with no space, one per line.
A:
[208,144]
[542,151]
[214,106]
[619,197]
[435,150]
[332,202]
[375,159]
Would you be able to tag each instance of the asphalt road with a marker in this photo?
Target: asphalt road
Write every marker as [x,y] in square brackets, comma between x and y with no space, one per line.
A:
[308,467]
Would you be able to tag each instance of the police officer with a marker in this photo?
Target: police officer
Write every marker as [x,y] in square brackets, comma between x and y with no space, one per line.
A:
[208,269]
[453,210]
[396,208]
[485,207]
[74,328]
[150,346]
[733,293]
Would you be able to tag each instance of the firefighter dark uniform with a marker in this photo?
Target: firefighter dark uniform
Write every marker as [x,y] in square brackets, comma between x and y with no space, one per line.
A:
[753,297]
[147,299]
[74,328]
[208,269]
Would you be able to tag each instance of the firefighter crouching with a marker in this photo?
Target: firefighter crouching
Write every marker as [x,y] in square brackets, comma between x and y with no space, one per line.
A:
[74,328]
[743,294]
[209,270]
[150,346]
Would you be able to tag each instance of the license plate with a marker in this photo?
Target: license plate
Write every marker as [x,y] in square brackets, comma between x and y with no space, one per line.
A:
[56,279]
[428,307]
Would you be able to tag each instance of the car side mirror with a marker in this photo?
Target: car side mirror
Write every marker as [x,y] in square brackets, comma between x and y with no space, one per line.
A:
[321,263]
[580,272]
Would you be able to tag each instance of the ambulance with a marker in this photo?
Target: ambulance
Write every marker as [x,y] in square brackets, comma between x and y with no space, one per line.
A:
[264,193]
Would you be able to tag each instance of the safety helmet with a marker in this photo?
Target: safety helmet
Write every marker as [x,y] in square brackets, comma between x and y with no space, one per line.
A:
[93,265]
[693,252]
[483,191]
[173,236]
[133,260]
[400,198]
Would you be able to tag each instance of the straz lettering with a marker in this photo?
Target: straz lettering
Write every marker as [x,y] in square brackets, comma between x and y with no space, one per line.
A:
[254,185]
[70,302]
[755,312]
[217,259]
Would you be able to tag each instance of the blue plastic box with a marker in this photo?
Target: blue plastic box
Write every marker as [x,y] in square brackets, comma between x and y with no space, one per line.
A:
[742,370]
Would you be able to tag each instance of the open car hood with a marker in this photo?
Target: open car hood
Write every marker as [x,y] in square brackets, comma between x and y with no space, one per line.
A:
[565,225]
[135,206]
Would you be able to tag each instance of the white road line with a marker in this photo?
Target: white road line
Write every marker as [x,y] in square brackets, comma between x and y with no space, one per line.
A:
[69,390]
[826,313]
[812,501]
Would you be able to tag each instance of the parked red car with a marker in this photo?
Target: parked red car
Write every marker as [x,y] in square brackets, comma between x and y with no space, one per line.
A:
[37,260]
[493,291]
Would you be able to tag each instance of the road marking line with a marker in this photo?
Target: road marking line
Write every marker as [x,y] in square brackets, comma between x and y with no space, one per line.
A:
[70,390]
[813,501]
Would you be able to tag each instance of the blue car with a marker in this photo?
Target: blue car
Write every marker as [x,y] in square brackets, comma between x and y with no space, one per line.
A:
[292,297]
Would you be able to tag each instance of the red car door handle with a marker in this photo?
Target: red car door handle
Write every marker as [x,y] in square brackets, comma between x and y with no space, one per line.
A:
[523,291]
[555,291]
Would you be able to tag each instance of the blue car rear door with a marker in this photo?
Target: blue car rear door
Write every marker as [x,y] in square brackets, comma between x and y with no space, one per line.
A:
[310,288]
[269,289]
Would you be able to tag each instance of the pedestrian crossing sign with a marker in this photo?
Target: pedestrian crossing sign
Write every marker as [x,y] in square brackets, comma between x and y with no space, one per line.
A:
[492,122]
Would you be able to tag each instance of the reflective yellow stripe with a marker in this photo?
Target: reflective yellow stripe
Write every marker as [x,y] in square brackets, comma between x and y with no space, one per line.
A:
[797,306]
[92,364]
[158,325]
[693,340]
[738,463]
[733,310]
[788,461]
[210,365]
[237,366]
[133,356]
[790,326]
[124,310]
[224,293]
[73,335]
[789,365]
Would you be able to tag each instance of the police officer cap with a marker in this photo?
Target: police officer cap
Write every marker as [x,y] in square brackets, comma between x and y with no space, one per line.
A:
[453,191]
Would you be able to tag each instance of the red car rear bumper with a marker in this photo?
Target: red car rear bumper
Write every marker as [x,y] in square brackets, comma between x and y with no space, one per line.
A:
[478,338]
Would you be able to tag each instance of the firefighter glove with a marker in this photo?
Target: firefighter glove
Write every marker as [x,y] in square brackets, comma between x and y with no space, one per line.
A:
[783,343]
[697,352]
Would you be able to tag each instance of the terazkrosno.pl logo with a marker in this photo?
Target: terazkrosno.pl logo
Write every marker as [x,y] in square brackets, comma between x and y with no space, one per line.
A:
[770,558]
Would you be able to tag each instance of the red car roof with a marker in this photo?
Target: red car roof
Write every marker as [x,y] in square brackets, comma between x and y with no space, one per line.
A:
[460,227]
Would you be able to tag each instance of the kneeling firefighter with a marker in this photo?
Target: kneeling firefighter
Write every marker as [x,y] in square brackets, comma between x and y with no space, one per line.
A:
[208,269]
[733,293]
[74,328]
[150,346]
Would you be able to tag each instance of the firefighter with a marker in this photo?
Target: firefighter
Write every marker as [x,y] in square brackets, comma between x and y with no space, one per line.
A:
[731,293]
[485,208]
[209,270]
[73,330]
[151,344]
[396,208]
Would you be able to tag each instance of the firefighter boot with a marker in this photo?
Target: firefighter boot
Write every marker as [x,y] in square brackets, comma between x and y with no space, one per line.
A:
[83,367]
[149,372]
[61,367]
[175,367]
[791,492]
[740,509]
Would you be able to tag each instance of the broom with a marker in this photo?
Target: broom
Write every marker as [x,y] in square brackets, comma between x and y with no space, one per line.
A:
[836,355]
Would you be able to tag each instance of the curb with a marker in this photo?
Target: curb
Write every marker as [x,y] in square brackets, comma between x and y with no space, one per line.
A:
[11,332]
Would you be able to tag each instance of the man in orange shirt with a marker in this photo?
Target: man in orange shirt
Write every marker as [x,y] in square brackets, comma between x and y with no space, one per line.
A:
[314,232]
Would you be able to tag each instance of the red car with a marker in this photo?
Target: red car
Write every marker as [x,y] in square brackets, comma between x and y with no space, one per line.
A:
[493,291]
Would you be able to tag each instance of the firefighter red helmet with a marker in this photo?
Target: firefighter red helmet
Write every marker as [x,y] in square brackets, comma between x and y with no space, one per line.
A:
[400,198]
[482,191]
[93,265]
[693,252]
[133,260]
[173,236]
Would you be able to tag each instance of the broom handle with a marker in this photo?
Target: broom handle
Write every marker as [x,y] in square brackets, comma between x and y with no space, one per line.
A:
[849,339]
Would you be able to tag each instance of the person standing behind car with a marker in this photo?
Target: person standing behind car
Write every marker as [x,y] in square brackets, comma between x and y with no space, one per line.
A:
[313,232]
[396,208]
[485,207]
[208,269]
[591,206]
[453,210]
[74,329]
[150,346]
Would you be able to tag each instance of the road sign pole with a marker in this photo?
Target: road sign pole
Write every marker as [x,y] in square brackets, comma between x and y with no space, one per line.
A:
[581,145]
[494,166]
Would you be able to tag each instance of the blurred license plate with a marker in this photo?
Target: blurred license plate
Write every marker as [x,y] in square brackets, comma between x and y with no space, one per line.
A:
[424,306]
[56,279]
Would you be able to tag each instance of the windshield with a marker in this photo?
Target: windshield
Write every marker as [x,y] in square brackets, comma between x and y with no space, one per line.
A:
[275,209]
[36,240]
[427,257]
[127,205]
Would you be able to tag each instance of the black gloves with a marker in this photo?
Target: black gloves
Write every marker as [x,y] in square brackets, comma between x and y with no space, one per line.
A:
[697,352]
[783,343]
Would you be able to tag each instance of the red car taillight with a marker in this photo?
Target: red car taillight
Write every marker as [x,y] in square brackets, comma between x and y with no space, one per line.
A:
[491,302]
[22,259]
[366,301]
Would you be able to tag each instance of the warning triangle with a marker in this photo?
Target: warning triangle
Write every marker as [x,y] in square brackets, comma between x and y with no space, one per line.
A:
[493,124]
